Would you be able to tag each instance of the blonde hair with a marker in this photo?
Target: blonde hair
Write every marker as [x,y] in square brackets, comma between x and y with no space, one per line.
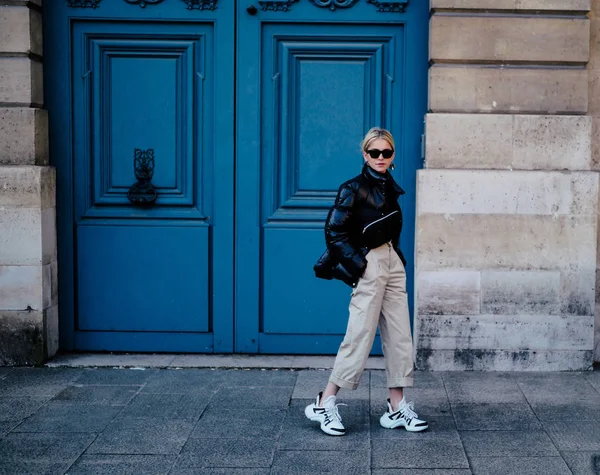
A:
[374,134]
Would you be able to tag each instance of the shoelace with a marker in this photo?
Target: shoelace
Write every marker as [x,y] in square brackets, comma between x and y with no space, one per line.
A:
[408,409]
[332,413]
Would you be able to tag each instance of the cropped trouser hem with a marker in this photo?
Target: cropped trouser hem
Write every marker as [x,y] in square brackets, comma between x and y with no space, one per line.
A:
[342,383]
[400,383]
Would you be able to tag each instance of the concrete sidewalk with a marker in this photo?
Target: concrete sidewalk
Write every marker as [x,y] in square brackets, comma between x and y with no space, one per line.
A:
[162,420]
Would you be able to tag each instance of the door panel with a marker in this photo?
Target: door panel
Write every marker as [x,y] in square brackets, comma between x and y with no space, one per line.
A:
[144,80]
[322,80]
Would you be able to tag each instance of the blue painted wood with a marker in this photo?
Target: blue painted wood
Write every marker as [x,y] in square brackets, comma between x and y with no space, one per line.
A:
[311,82]
[159,77]
[144,342]
[143,278]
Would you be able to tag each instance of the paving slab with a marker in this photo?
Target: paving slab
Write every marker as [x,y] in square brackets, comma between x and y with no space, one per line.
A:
[70,418]
[37,382]
[98,395]
[168,406]
[576,410]
[290,462]
[420,471]
[232,423]
[475,387]
[256,398]
[582,463]
[184,381]
[223,453]
[33,467]
[115,377]
[542,388]
[265,378]
[122,465]
[143,435]
[508,444]
[310,383]
[43,447]
[221,471]
[443,451]
[519,465]
[516,416]
[299,433]
[593,377]
[19,408]
[7,426]
[576,436]
[4,371]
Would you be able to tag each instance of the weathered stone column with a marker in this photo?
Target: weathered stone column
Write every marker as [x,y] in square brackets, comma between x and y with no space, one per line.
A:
[507,205]
[28,269]
[594,112]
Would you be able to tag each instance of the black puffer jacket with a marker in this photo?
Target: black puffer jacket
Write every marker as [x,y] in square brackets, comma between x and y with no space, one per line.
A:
[366,214]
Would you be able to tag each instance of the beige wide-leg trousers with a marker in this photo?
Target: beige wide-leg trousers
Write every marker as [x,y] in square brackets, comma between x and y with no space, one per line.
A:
[378,298]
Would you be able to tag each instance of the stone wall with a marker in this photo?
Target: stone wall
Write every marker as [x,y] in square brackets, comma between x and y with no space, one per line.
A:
[28,267]
[507,205]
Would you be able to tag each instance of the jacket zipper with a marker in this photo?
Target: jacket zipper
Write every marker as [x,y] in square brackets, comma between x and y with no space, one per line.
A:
[377,220]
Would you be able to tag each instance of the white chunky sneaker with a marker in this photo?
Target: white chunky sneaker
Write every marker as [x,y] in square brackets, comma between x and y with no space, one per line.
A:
[404,416]
[327,415]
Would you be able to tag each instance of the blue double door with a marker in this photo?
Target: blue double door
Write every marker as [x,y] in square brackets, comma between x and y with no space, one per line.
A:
[236,122]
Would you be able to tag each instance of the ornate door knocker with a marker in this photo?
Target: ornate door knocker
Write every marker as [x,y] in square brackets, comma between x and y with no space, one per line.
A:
[143,192]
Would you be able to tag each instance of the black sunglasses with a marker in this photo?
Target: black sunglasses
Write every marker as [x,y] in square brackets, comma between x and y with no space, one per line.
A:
[374,153]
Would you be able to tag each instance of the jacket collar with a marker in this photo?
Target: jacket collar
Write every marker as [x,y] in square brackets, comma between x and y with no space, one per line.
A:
[381,178]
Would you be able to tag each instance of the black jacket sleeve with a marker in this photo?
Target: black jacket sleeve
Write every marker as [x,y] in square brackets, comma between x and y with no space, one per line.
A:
[338,229]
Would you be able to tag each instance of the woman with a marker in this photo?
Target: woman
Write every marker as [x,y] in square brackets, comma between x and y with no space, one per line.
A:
[362,233]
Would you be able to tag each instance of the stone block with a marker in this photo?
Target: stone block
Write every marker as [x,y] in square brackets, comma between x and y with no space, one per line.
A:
[508,444]
[551,142]
[578,289]
[21,81]
[21,337]
[503,360]
[515,142]
[505,242]
[449,293]
[531,38]
[505,332]
[594,92]
[597,339]
[23,136]
[596,143]
[542,5]
[521,292]
[493,192]
[469,141]
[51,331]
[28,337]
[507,89]
[21,288]
[594,62]
[27,236]
[27,187]
[20,30]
